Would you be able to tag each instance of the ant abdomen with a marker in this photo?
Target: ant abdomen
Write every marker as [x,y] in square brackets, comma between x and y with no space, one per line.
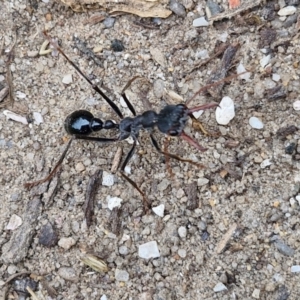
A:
[82,122]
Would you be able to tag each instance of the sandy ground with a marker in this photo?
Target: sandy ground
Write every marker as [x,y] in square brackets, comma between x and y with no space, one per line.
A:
[235,222]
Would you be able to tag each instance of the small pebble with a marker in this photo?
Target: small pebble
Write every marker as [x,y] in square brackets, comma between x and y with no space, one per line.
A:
[265,60]
[198,113]
[67,273]
[114,202]
[219,287]
[265,163]
[275,77]
[67,79]
[121,275]
[177,8]
[108,179]
[256,123]
[163,184]
[109,22]
[202,181]
[79,167]
[158,88]
[66,243]
[256,293]
[127,170]
[159,210]
[296,105]
[149,250]
[289,149]
[14,222]
[200,22]
[212,8]
[295,269]
[287,11]
[225,111]
[123,250]
[48,236]
[20,95]
[12,269]
[182,253]
[38,118]
[32,53]
[117,46]
[290,21]
[15,117]
[203,54]
[103,297]
[182,232]
[284,248]
[241,69]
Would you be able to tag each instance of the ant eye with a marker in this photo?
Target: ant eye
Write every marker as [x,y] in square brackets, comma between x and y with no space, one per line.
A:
[173,132]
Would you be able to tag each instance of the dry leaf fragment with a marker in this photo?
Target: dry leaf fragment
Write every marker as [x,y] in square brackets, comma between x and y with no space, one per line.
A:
[94,262]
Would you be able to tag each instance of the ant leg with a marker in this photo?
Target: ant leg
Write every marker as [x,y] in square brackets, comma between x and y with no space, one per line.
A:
[95,87]
[128,84]
[96,139]
[166,145]
[191,141]
[129,105]
[52,173]
[146,202]
[158,149]
[202,107]
[58,164]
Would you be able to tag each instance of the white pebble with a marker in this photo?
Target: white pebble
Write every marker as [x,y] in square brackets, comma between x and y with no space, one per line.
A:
[38,118]
[149,250]
[182,253]
[219,287]
[202,181]
[275,77]
[200,22]
[198,113]
[296,105]
[20,95]
[225,111]
[67,79]
[182,232]
[103,297]
[223,37]
[298,199]
[108,179]
[295,269]
[203,54]
[13,116]
[121,275]
[66,243]
[241,69]
[113,202]
[287,11]
[256,293]
[122,102]
[14,222]
[265,60]
[265,163]
[256,123]
[159,210]
[127,170]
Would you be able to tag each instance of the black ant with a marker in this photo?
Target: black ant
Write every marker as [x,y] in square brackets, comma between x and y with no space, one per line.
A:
[171,121]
